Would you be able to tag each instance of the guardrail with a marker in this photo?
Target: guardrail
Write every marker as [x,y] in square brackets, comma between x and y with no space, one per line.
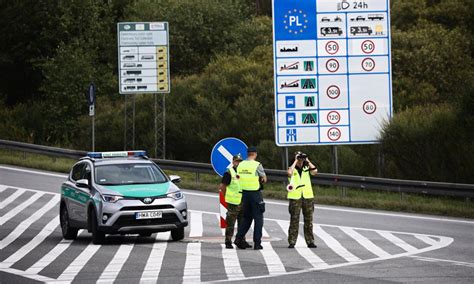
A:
[392,185]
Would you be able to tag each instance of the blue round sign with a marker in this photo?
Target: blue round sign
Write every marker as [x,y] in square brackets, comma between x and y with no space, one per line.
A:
[224,150]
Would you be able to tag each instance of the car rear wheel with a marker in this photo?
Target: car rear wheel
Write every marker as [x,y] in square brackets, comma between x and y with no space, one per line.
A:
[177,234]
[69,233]
[98,237]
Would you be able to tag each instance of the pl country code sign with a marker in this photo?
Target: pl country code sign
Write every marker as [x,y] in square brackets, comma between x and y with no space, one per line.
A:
[332,71]
[143,57]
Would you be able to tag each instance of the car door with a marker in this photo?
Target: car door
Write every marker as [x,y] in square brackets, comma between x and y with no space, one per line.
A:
[71,193]
[84,194]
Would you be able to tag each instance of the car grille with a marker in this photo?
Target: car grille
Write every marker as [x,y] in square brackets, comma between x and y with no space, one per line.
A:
[144,207]
[126,221]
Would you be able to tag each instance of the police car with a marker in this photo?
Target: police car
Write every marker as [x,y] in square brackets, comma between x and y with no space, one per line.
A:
[121,193]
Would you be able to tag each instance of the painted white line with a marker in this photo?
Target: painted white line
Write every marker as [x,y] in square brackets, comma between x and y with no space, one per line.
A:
[366,243]
[24,250]
[12,197]
[454,262]
[305,252]
[22,274]
[2,188]
[33,172]
[20,207]
[23,226]
[155,260]
[318,207]
[192,266]
[272,260]
[115,265]
[397,241]
[224,152]
[427,240]
[195,224]
[232,264]
[333,244]
[81,260]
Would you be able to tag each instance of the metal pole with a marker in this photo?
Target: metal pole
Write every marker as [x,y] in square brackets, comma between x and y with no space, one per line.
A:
[156,124]
[125,122]
[287,164]
[335,166]
[133,121]
[93,133]
[164,126]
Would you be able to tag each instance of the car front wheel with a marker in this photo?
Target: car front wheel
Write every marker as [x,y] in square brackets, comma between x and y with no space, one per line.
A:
[177,234]
[69,233]
[98,237]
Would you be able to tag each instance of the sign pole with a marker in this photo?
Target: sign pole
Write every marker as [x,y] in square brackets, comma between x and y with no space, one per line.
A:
[155,120]
[91,102]
[93,133]
[335,166]
[164,126]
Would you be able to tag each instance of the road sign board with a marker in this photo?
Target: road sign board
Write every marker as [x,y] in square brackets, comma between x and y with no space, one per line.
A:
[224,150]
[143,57]
[333,79]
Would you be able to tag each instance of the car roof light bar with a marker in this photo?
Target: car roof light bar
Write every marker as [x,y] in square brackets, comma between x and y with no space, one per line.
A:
[116,154]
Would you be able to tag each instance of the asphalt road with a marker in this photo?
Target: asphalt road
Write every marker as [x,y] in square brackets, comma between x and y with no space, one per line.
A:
[354,245]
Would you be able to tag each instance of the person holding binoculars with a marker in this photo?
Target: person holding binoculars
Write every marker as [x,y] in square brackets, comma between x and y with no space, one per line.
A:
[301,198]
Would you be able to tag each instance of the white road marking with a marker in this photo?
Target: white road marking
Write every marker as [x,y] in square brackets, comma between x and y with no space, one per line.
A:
[226,154]
[366,243]
[24,250]
[318,207]
[454,262]
[155,260]
[2,188]
[427,240]
[303,250]
[115,265]
[196,225]
[192,266]
[333,244]
[12,197]
[81,260]
[232,264]
[23,226]
[272,260]
[397,241]
[20,207]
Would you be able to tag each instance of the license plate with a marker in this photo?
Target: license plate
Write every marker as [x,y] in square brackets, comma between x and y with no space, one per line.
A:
[148,215]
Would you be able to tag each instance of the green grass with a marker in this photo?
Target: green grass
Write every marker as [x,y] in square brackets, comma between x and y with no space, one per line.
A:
[372,199]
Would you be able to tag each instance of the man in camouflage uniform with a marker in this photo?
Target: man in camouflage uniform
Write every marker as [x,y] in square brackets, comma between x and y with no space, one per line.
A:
[233,196]
[301,198]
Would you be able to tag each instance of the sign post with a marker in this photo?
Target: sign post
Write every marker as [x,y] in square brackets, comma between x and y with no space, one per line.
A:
[91,103]
[332,76]
[143,63]
[221,160]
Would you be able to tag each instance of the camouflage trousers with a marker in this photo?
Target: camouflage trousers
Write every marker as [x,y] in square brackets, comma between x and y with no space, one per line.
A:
[295,207]
[234,213]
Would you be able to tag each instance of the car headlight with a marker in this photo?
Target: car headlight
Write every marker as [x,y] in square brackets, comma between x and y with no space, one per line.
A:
[175,195]
[111,198]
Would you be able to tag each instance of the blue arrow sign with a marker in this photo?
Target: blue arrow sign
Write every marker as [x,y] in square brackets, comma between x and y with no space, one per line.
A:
[224,150]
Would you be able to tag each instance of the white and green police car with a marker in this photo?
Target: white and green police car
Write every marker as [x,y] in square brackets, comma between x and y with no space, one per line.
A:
[121,193]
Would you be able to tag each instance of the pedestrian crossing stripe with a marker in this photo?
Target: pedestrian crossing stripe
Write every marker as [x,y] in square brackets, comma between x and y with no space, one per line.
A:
[333,247]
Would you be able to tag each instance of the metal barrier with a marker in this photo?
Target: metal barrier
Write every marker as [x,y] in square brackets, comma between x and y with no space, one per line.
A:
[392,185]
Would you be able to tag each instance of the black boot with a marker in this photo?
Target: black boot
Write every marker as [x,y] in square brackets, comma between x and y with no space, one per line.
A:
[240,243]
[291,246]
[246,244]
[228,245]
[312,245]
[257,246]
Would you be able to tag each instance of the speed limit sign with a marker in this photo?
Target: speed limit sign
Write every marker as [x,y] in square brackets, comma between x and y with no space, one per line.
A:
[367,46]
[332,47]
[368,64]
[369,107]
[332,65]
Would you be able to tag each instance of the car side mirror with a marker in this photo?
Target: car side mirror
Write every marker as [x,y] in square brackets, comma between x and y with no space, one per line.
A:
[175,179]
[82,183]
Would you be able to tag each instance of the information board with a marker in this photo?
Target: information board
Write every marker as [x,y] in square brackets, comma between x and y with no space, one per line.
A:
[332,71]
[143,57]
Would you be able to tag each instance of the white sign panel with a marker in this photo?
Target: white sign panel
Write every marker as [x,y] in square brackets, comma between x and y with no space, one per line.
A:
[143,57]
[332,63]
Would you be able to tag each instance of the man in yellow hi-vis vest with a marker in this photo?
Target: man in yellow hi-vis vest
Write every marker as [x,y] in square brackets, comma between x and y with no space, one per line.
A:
[230,187]
[301,197]
[251,175]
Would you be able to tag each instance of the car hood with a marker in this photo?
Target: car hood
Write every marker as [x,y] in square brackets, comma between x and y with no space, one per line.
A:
[140,190]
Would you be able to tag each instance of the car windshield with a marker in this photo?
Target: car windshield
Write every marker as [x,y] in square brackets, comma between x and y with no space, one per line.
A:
[120,174]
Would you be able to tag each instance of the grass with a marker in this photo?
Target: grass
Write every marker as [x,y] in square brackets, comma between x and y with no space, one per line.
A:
[359,198]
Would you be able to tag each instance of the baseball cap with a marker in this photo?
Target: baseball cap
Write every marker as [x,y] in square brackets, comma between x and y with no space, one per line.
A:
[252,149]
[237,157]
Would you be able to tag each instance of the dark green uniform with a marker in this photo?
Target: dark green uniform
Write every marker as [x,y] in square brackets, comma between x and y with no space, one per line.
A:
[295,207]
[234,213]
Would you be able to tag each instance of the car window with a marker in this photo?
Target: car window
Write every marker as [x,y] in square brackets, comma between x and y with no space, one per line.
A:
[121,174]
[86,172]
[76,173]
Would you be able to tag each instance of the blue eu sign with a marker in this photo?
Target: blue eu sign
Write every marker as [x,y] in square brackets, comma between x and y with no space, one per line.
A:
[224,150]
[295,20]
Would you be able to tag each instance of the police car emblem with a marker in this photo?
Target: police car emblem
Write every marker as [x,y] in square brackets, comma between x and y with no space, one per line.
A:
[147,200]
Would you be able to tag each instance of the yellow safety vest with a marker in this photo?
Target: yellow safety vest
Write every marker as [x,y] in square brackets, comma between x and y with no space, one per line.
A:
[301,185]
[249,180]
[233,193]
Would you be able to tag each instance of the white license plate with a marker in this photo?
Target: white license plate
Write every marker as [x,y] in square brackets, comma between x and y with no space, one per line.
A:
[149,215]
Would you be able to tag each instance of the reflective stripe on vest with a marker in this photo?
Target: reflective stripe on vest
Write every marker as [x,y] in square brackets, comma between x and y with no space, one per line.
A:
[301,185]
[247,171]
[233,194]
